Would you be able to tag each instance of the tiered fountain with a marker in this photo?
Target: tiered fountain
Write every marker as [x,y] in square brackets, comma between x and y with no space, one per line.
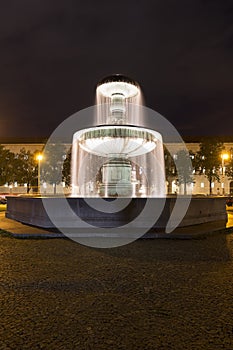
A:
[117,158]
[118,176]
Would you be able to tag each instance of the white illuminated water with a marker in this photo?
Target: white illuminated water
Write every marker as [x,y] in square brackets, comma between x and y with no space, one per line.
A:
[116,158]
[132,98]
[126,141]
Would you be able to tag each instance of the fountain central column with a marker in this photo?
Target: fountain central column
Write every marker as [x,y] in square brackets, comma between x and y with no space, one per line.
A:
[116,158]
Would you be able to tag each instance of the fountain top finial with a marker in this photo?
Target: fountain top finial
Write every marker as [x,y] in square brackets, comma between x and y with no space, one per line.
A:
[118,78]
[118,84]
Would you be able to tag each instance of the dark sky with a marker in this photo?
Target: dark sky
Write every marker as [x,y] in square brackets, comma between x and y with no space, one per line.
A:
[52,54]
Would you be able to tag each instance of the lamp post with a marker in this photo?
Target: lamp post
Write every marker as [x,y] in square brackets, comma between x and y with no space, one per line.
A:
[224,157]
[39,158]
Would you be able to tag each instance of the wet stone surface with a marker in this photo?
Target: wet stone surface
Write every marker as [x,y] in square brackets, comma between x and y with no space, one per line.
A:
[151,294]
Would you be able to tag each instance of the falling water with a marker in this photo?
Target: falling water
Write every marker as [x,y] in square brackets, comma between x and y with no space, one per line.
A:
[118,157]
[132,112]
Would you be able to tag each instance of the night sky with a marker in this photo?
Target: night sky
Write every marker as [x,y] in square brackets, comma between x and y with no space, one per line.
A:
[52,54]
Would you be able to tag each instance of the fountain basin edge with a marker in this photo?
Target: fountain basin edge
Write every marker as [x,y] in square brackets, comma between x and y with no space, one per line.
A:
[31,211]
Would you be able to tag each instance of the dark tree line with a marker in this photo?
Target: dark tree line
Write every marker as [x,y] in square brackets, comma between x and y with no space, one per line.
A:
[18,167]
[207,161]
[22,167]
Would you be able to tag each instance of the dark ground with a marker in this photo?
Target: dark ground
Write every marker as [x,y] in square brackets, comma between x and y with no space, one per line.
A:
[151,294]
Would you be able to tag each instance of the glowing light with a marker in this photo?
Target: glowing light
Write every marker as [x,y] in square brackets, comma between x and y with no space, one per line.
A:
[225,156]
[119,87]
[118,157]
[120,140]
[39,157]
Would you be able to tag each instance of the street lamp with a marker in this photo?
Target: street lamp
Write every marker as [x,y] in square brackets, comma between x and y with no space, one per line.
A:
[224,157]
[39,158]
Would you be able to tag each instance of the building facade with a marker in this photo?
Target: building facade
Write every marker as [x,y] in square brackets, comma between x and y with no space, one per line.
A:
[200,184]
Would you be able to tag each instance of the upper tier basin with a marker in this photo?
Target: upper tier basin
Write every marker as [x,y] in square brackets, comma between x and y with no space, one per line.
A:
[117,141]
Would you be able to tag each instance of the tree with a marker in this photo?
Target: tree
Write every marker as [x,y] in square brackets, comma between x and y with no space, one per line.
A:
[229,168]
[208,160]
[184,168]
[27,168]
[53,159]
[66,171]
[170,169]
[7,168]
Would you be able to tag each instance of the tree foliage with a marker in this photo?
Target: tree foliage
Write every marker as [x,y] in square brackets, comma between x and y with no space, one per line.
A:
[208,160]
[66,171]
[229,169]
[7,169]
[20,167]
[53,159]
[184,167]
[27,168]
[170,169]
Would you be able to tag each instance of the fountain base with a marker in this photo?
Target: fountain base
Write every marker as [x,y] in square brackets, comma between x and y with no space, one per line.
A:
[30,210]
[116,174]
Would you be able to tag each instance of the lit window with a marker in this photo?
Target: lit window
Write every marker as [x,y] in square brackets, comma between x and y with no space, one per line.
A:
[212,185]
[202,185]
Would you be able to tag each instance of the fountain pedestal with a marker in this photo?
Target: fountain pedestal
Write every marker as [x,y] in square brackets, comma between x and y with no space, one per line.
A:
[116,177]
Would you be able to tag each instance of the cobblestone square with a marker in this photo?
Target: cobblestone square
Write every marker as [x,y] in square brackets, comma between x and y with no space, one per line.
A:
[151,294]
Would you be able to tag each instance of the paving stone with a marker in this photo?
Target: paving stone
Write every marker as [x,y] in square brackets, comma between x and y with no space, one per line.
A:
[151,294]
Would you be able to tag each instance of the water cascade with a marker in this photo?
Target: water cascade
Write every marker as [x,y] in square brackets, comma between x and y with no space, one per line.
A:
[118,157]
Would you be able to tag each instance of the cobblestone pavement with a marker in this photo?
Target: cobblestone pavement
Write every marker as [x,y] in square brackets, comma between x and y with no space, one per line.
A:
[151,294]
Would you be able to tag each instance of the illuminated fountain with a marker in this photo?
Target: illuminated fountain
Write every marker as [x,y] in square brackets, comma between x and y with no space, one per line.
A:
[117,155]
[118,158]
